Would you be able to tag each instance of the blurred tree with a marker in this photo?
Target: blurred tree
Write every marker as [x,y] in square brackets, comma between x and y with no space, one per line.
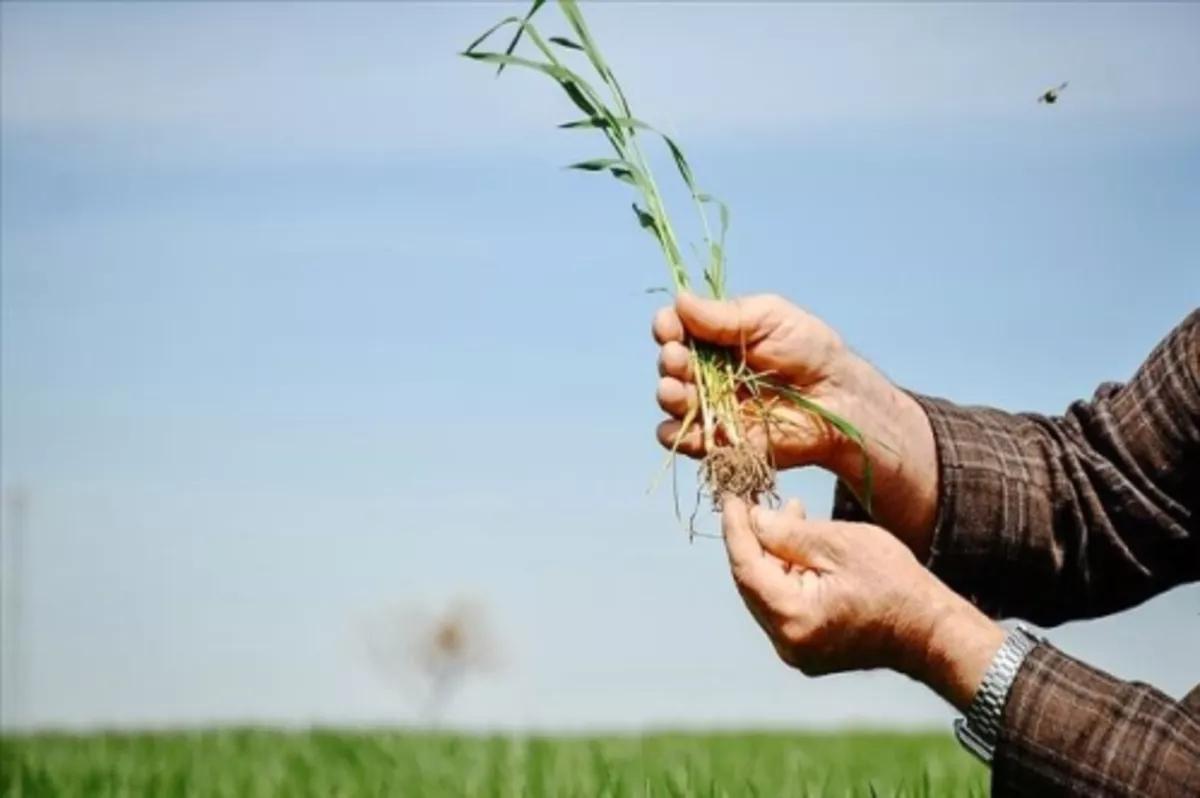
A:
[431,655]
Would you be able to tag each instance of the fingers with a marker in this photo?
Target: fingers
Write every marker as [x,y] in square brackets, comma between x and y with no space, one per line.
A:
[727,322]
[676,393]
[761,578]
[676,398]
[690,445]
[791,536]
[741,544]
[674,360]
[667,327]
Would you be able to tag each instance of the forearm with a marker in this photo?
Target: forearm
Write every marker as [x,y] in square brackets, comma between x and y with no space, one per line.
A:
[1046,518]
[950,646]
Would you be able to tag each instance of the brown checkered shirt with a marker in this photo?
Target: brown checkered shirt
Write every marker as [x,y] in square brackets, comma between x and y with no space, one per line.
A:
[1053,519]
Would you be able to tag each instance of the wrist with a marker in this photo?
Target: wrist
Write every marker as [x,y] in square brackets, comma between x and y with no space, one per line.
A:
[956,645]
[900,447]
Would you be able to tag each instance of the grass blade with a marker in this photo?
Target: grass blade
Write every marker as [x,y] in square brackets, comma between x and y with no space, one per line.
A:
[488,33]
[599,122]
[647,220]
[512,46]
[618,167]
[575,87]
[600,164]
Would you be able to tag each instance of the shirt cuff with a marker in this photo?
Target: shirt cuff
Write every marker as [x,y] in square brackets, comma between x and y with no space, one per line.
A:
[976,501]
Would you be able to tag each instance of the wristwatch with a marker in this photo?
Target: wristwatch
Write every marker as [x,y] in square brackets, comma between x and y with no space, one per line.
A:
[980,729]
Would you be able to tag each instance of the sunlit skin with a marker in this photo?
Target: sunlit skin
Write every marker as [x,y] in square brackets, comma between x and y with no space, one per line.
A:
[833,596]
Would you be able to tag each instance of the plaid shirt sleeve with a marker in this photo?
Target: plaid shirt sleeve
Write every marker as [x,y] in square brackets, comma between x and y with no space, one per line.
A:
[1054,519]
[1070,729]
[1076,516]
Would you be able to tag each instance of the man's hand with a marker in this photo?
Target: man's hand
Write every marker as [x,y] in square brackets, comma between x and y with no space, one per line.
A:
[835,596]
[795,347]
[773,337]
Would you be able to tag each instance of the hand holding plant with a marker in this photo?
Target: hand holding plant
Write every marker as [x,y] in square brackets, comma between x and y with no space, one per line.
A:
[808,363]
[805,357]
[731,403]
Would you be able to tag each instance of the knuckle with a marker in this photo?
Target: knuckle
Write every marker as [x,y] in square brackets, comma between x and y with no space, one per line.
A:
[775,304]
[794,632]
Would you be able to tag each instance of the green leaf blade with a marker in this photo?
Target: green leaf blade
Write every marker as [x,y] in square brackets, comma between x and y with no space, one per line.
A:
[537,5]
[599,122]
[562,41]
[488,33]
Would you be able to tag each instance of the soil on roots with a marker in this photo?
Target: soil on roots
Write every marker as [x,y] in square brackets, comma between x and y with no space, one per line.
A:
[738,470]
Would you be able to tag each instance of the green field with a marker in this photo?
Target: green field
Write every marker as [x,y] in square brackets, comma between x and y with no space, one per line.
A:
[250,764]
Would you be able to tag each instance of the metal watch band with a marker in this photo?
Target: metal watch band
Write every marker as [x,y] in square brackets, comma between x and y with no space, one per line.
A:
[980,729]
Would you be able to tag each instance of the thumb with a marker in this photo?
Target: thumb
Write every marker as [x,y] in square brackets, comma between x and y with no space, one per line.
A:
[791,536]
[744,550]
[725,322]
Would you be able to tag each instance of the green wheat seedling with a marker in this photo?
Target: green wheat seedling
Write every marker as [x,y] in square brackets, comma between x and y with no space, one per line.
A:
[730,396]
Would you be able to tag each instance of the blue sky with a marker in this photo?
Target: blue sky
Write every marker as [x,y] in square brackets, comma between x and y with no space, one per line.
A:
[302,319]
